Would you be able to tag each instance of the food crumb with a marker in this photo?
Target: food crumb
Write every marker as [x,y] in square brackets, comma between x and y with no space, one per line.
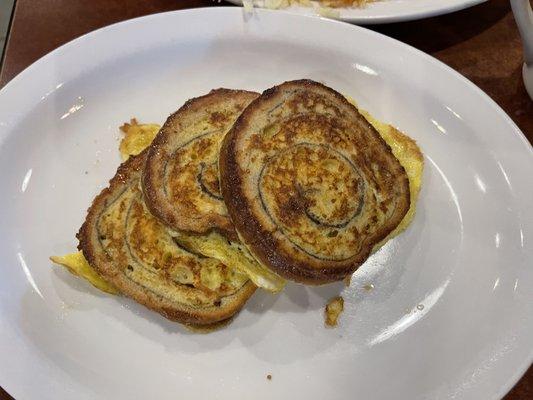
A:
[269,377]
[347,280]
[333,310]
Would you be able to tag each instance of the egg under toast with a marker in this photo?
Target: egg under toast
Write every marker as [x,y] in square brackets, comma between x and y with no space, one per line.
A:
[130,249]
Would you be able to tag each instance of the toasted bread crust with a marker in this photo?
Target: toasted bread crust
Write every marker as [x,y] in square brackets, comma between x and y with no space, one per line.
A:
[180,180]
[256,208]
[89,243]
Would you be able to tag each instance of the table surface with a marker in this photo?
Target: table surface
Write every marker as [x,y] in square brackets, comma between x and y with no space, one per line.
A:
[482,43]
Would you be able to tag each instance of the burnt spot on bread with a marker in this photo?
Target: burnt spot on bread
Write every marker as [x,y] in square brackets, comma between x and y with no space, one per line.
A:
[218,118]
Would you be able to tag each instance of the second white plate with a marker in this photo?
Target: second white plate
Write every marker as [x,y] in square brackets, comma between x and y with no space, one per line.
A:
[387,11]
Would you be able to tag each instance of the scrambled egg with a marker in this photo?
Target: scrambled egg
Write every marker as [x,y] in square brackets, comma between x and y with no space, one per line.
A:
[78,265]
[216,246]
[407,152]
[410,157]
[136,138]
[333,310]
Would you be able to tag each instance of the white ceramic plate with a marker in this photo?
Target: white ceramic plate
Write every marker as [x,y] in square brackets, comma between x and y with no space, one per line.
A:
[386,11]
[451,312]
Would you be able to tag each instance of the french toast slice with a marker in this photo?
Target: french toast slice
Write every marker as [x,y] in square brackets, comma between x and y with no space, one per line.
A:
[181,187]
[132,250]
[310,185]
[180,179]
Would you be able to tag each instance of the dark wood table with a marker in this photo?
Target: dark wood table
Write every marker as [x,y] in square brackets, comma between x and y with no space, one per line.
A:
[482,43]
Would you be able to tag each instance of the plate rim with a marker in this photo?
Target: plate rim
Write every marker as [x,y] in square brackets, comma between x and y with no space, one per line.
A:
[520,370]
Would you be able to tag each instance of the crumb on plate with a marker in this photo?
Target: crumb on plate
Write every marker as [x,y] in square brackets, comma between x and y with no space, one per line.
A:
[347,280]
[333,309]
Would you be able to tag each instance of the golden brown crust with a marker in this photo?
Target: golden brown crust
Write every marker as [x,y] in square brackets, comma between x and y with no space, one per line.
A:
[180,180]
[309,183]
[193,303]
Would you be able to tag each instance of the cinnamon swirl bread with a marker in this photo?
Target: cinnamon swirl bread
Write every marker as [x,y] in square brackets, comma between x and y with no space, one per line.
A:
[310,185]
[130,249]
[180,179]
[181,186]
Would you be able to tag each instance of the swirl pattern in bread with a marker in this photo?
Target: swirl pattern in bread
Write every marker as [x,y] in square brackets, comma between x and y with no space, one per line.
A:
[125,244]
[181,186]
[310,185]
[180,180]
